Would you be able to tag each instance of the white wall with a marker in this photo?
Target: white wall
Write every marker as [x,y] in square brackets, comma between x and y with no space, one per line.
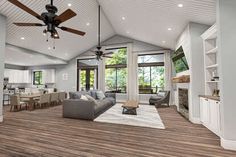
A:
[2,57]
[226,22]
[192,44]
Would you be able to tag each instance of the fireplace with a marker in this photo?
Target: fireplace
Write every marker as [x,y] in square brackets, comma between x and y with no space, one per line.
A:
[183,102]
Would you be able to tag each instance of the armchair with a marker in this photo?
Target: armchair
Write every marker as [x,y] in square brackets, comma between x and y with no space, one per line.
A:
[162,97]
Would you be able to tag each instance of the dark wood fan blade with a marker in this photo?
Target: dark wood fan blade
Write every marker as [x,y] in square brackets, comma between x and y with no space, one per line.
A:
[25,8]
[107,56]
[73,31]
[108,53]
[29,24]
[66,15]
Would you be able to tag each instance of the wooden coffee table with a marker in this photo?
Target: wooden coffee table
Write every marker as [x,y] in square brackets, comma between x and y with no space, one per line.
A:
[130,107]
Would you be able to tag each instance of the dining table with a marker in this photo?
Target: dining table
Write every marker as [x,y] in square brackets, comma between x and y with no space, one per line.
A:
[30,99]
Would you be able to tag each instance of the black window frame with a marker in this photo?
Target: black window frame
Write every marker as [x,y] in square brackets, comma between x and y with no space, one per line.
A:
[40,77]
[117,67]
[150,65]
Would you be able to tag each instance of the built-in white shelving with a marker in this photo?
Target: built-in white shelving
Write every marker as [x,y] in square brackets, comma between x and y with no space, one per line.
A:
[211,60]
[212,66]
[212,51]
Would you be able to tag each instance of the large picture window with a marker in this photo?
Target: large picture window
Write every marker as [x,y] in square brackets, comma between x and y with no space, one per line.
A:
[38,78]
[151,73]
[116,71]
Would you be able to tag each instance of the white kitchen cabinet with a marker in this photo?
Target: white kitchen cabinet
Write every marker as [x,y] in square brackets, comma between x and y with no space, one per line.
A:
[204,107]
[50,76]
[17,76]
[214,109]
[26,76]
[210,114]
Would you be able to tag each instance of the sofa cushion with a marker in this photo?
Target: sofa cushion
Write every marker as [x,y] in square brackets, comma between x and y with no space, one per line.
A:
[77,95]
[100,95]
[74,95]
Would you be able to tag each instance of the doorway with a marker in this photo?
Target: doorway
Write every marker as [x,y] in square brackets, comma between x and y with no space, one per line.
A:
[87,75]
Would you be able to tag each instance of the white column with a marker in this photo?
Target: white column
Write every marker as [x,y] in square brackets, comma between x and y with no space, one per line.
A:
[2,59]
[226,22]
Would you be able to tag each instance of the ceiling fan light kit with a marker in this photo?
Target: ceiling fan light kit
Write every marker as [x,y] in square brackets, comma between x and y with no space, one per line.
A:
[50,18]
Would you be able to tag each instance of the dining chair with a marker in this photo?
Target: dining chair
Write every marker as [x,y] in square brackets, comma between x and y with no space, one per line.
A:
[54,98]
[16,103]
[44,100]
[62,97]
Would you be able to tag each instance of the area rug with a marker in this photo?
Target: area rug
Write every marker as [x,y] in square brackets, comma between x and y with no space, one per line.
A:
[147,116]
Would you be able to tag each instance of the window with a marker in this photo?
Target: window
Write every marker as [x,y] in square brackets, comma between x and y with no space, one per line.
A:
[87,74]
[151,73]
[38,78]
[116,71]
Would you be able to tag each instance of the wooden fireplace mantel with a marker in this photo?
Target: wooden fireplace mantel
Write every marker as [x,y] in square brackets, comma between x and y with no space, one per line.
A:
[181,79]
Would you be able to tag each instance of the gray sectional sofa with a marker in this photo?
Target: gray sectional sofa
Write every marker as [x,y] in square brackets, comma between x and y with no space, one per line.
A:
[76,108]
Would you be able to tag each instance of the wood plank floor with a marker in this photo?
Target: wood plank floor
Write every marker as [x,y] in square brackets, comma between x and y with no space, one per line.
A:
[45,133]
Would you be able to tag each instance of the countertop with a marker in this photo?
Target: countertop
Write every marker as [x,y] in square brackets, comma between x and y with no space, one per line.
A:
[210,97]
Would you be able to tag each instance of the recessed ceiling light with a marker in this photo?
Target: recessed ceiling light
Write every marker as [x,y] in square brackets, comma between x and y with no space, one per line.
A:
[88,24]
[123,18]
[22,38]
[69,4]
[169,29]
[180,5]
[127,32]
[49,48]
[163,41]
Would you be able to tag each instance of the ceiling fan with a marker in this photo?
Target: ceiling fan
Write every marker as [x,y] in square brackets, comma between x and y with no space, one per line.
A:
[99,53]
[50,19]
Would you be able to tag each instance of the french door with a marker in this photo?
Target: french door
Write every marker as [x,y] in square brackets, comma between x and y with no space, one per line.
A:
[87,74]
[87,79]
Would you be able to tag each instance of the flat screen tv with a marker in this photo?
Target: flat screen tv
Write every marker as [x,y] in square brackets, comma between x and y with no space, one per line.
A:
[180,61]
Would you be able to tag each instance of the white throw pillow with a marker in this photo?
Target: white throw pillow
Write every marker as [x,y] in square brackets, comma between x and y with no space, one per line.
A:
[162,94]
[84,97]
[100,95]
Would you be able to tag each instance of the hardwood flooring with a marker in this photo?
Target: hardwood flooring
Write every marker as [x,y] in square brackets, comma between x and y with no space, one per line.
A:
[45,133]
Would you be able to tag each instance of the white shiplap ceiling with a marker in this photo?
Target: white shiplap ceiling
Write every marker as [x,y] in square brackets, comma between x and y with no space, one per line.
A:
[145,20]
[149,20]
[69,45]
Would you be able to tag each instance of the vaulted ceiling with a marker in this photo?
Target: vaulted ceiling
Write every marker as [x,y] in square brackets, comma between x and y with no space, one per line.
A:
[69,45]
[149,20]
[144,20]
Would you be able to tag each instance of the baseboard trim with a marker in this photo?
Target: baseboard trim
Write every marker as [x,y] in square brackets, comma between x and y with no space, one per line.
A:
[228,144]
[1,118]
[195,120]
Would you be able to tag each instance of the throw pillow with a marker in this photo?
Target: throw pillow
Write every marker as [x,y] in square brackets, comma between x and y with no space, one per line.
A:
[162,94]
[84,98]
[100,95]
[91,98]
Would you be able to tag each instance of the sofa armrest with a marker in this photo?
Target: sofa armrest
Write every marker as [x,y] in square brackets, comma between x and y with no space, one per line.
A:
[113,95]
[79,109]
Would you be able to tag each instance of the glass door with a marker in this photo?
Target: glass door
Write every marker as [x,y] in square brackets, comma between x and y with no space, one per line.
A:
[87,79]
[87,75]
